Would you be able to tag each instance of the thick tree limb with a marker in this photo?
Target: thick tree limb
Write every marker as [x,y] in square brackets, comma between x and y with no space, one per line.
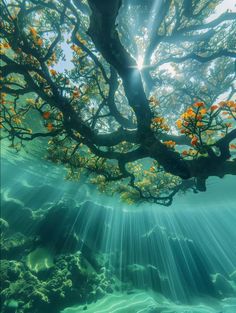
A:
[102,21]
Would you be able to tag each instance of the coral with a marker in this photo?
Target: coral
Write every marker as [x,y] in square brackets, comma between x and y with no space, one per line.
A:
[70,280]
[9,271]
[15,246]
[24,287]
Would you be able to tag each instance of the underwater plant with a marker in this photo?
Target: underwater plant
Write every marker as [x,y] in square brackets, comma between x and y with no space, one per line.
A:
[102,83]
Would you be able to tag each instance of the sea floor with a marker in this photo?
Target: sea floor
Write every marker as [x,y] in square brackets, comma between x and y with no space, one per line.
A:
[149,302]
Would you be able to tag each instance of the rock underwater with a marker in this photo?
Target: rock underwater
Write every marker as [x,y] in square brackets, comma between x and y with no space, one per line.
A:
[40,272]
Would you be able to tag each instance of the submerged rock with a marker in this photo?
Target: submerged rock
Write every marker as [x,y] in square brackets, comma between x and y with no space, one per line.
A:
[223,285]
[40,259]
[67,229]
[4,226]
[56,229]
[19,217]
[144,276]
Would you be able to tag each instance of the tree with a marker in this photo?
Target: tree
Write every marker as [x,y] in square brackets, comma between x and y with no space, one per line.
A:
[135,106]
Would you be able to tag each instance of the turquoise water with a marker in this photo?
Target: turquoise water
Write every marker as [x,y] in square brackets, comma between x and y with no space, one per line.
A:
[66,248]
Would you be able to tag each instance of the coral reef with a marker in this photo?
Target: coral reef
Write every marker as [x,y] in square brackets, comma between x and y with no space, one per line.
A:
[70,280]
[40,273]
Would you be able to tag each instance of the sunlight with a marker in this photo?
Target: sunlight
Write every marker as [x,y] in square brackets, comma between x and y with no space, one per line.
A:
[140,62]
[221,8]
[169,68]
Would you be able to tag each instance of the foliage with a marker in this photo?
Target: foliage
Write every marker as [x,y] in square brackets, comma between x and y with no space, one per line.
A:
[69,74]
[205,126]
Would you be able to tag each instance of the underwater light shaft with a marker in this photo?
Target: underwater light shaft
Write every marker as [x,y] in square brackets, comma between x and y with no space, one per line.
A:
[180,253]
[175,253]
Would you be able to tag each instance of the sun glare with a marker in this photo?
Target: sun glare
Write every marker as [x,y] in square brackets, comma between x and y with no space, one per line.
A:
[140,63]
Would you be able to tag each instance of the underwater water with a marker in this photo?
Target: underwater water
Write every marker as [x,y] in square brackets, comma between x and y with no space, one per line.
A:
[66,248]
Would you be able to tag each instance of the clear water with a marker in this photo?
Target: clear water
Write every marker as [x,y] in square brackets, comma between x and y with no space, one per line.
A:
[69,249]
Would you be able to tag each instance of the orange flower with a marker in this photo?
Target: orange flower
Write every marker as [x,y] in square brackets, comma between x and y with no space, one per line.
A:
[53,72]
[46,115]
[179,123]
[158,120]
[6,45]
[39,42]
[203,111]
[77,49]
[232,146]
[194,141]
[228,125]
[188,114]
[230,103]
[33,32]
[200,124]
[214,107]
[50,127]
[198,104]
[199,117]
[185,152]
[152,169]
[169,143]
